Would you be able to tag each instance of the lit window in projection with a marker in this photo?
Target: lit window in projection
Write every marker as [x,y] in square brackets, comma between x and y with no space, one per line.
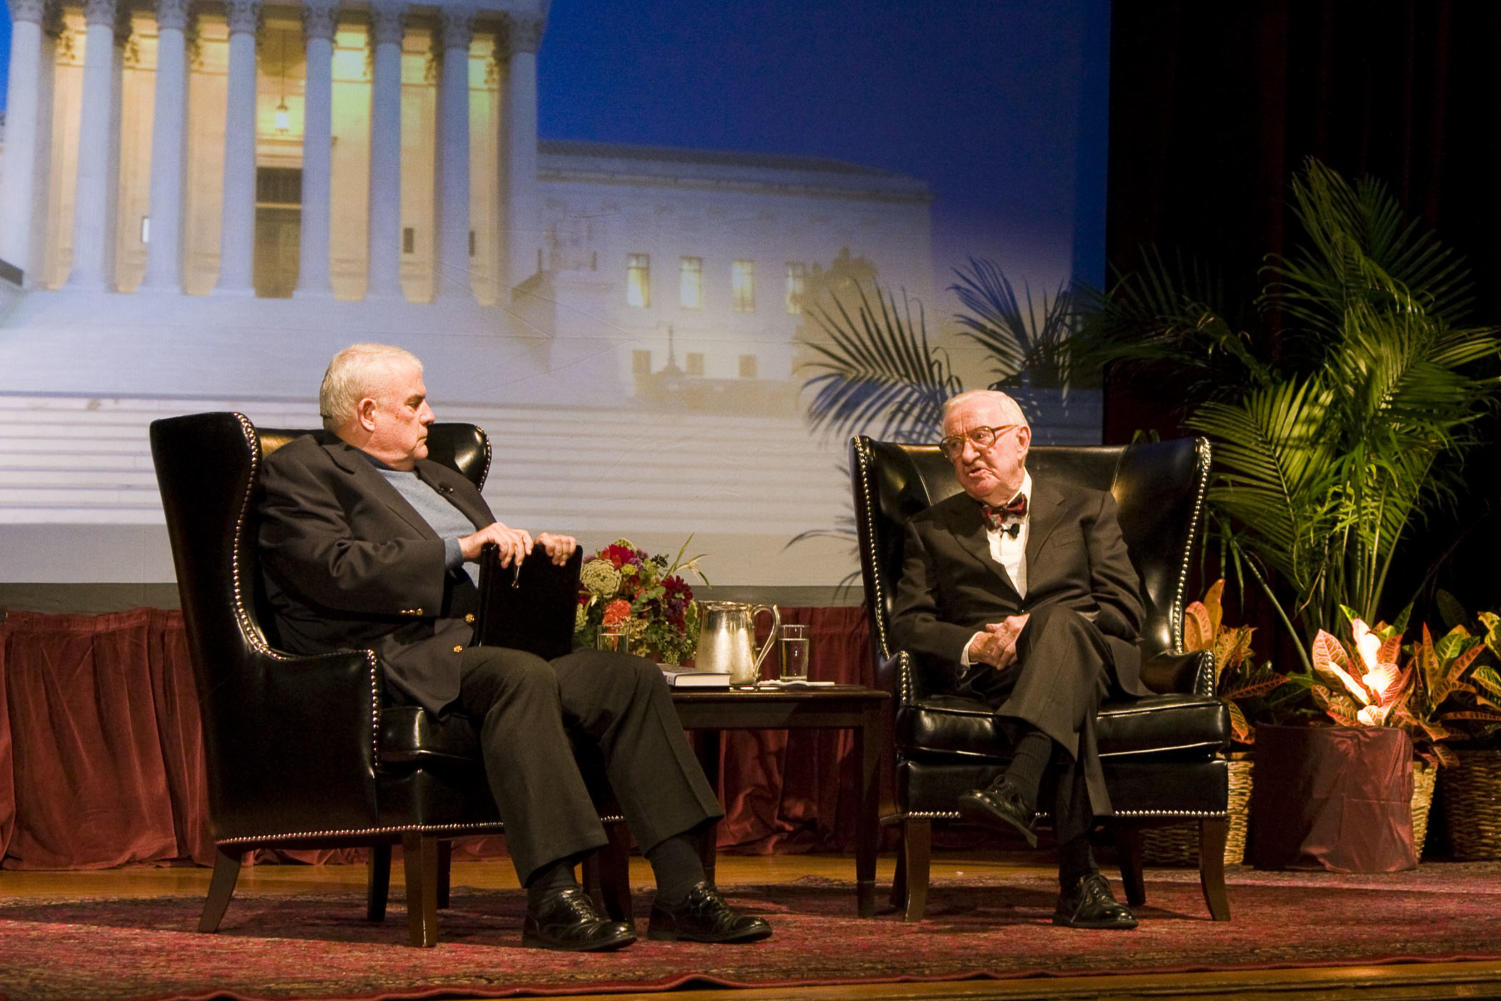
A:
[638,280]
[691,282]
[743,286]
[797,283]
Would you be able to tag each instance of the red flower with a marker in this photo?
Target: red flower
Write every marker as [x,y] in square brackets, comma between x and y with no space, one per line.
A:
[620,555]
[616,612]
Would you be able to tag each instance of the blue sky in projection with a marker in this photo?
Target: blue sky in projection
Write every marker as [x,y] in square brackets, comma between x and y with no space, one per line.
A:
[998,104]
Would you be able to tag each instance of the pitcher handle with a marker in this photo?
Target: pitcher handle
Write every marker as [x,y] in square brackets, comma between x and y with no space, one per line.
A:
[771,637]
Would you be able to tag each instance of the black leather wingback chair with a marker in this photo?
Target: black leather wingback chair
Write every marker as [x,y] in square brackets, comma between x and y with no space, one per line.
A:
[302,751]
[1163,755]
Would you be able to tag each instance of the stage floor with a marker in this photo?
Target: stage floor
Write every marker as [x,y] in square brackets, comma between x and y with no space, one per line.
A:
[1393,982]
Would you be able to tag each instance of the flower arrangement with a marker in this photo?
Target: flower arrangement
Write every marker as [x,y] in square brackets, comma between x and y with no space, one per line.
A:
[644,596]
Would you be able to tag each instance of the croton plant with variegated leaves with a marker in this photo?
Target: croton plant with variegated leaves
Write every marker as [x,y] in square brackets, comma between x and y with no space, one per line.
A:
[1438,690]
[1240,683]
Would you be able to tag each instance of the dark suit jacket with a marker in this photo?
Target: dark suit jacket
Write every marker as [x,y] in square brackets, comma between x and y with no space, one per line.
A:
[349,563]
[950,586]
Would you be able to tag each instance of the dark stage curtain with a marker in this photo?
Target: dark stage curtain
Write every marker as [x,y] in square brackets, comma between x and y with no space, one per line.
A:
[1214,106]
[101,760]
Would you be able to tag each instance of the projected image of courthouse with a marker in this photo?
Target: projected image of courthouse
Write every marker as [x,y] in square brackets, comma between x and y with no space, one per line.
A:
[200,203]
[390,152]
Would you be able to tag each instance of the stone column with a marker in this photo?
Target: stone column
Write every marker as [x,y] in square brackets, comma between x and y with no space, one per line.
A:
[95,195]
[387,27]
[237,235]
[169,148]
[451,268]
[518,142]
[23,183]
[320,19]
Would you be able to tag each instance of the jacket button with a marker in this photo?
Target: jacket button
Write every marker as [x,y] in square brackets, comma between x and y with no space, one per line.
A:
[458,648]
[469,617]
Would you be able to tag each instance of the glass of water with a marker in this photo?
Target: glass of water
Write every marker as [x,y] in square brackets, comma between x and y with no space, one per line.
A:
[794,639]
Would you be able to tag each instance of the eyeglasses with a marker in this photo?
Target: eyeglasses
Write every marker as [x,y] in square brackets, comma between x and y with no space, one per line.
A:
[983,437]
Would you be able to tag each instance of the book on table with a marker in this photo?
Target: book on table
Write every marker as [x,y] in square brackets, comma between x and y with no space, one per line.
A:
[696,679]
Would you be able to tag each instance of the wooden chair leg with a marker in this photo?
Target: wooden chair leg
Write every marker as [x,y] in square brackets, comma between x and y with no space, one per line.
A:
[445,872]
[607,874]
[917,849]
[378,883]
[1213,833]
[221,887]
[421,863]
[899,879]
[1128,845]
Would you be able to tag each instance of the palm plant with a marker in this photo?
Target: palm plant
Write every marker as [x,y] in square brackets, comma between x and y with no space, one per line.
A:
[1328,453]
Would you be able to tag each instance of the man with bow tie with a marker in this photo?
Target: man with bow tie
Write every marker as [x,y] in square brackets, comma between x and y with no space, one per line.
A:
[1025,596]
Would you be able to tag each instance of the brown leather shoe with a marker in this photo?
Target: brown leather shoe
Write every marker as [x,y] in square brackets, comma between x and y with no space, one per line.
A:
[1091,905]
[999,805]
[567,919]
[703,916]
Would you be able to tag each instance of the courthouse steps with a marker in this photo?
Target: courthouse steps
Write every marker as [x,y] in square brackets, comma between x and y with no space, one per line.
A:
[81,460]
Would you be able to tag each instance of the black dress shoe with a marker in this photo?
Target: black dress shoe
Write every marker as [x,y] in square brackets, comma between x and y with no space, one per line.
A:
[1091,905]
[999,805]
[703,916]
[567,919]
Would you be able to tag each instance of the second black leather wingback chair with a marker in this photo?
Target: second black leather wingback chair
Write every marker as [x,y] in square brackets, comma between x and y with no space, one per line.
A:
[1163,755]
[302,751]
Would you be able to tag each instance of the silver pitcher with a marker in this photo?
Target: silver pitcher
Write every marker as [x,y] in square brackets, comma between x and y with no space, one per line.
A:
[727,639]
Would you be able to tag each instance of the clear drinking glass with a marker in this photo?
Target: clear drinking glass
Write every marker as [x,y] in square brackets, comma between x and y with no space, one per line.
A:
[610,639]
[794,652]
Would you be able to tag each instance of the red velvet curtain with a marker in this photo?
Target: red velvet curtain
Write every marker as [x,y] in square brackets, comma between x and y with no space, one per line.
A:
[101,760]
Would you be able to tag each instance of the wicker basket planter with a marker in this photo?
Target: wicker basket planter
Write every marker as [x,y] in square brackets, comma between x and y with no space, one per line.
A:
[1178,845]
[1472,805]
[1424,778]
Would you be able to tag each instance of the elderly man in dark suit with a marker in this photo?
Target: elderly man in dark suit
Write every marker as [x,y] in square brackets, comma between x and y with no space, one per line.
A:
[367,543]
[1025,596]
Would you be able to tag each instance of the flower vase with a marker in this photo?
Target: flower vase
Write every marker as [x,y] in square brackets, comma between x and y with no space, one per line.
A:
[1337,798]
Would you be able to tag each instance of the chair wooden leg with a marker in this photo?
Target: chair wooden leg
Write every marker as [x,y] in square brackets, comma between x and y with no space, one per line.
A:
[1128,845]
[1213,833]
[899,879]
[221,887]
[607,874]
[421,862]
[917,848]
[445,872]
[378,883]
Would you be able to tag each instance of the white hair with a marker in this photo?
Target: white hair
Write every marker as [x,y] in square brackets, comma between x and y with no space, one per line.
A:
[352,374]
[988,394]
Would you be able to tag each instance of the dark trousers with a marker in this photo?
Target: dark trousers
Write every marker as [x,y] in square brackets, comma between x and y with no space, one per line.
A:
[619,710]
[1062,672]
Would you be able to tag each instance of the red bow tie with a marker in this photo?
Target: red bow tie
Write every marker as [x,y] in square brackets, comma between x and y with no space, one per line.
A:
[996,515]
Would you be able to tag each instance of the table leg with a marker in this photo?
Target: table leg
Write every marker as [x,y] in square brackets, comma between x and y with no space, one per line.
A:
[708,759]
[867,821]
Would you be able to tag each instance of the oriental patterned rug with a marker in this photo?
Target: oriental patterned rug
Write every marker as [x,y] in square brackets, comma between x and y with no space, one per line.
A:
[291,948]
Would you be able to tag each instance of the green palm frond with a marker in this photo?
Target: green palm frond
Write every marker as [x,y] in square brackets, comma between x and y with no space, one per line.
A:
[1166,312]
[877,371]
[1357,248]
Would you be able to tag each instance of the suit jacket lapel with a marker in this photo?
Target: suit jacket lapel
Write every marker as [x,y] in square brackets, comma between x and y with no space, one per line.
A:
[455,488]
[1046,508]
[348,458]
[968,528]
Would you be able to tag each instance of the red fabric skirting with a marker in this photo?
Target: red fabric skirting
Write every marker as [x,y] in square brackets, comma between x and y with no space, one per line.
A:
[101,755]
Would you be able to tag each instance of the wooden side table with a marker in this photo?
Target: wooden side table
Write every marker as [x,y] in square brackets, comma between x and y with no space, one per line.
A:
[852,707]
